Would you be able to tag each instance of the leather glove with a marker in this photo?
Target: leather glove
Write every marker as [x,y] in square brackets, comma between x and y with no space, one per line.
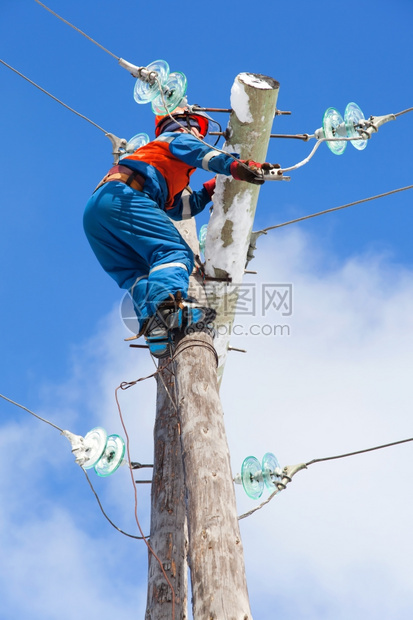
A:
[210,186]
[249,172]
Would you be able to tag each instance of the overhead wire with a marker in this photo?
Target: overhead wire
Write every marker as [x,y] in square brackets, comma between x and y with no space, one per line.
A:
[32,413]
[365,450]
[78,30]
[404,112]
[315,148]
[265,230]
[104,513]
[159,373]
[53,97]
[349,204]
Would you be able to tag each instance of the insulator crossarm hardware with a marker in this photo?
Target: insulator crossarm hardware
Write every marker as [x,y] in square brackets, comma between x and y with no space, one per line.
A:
[118,146]
[287,474]
[141,73]
[372,125]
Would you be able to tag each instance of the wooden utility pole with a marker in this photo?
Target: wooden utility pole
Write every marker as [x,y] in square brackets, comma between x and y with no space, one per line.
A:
[169,535]
[215,554]
[168,515]
[219,588]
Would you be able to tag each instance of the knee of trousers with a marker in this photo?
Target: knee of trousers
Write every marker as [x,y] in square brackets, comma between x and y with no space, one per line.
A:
[165,280]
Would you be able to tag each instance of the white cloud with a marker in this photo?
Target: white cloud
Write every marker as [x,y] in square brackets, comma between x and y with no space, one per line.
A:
[337,542]
[60,572]
[61,557]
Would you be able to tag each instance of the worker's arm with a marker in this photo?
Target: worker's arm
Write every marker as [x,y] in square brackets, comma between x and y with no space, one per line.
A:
[199,155]
[189,149]
[190,203]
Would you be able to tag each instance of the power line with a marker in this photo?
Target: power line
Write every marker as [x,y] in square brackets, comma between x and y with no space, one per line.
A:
[53,97]
[317,144]
[104,513]
[350,204]
[31,413]
[404,112]
[342,456]
[77,30]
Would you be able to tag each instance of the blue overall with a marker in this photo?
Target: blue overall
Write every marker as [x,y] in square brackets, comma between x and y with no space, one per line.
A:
[131,234]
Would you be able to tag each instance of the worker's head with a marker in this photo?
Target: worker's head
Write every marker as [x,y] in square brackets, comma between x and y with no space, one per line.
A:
[183,119]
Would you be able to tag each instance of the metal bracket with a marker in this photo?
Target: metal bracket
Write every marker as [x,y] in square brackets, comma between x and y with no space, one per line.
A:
[227,279]
[288,473]
[372,125]
[275,174]
[79,449]
[141,73]
[118,146]
[253,245]
[200,268]
[136,465]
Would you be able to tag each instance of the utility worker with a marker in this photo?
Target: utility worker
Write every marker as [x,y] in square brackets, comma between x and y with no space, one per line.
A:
[127,219]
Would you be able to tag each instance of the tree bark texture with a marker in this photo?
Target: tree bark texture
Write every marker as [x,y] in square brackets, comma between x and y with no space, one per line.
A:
[168,514]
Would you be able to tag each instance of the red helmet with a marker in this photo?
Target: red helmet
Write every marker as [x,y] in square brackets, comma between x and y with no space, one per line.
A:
[185,117]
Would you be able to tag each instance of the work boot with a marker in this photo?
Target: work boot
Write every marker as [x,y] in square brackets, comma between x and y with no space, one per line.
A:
[158,337]
[159,318]
[189,312]
[198,318]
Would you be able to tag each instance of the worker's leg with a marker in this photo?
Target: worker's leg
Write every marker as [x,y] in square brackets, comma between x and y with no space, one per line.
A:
[131,238]
[114,253]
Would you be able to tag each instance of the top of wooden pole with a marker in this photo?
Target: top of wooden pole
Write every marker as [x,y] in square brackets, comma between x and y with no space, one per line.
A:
[253,103]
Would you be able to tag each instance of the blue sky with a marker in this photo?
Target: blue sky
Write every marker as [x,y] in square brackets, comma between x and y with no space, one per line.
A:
[338,543]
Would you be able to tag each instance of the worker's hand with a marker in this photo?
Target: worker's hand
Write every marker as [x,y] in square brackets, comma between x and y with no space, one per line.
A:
[210,186]
[247,170]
